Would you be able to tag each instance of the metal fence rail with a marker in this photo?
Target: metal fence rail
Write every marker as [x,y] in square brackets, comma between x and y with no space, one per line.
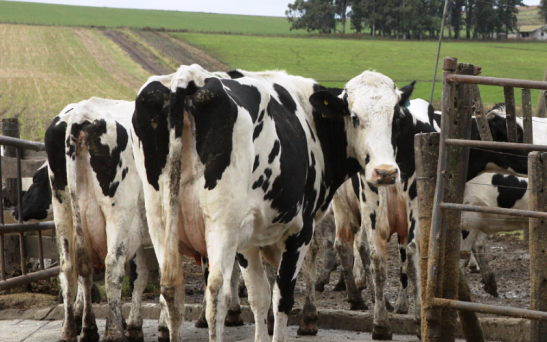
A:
[439,162]
[21,228]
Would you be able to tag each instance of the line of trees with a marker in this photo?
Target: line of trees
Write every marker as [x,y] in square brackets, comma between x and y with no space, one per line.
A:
[412,19]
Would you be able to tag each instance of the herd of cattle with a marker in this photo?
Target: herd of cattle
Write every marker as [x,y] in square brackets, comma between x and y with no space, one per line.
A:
[242,166]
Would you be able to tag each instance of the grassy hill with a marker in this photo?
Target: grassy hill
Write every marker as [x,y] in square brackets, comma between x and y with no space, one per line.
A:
[63,15]
[43,69]
[334,61]
[529,16]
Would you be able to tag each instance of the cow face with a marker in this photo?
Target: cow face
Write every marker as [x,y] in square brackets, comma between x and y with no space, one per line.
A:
[37,200]
[369,103]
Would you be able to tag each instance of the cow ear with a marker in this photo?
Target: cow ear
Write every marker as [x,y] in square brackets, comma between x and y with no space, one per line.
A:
[406,92]
[328,104]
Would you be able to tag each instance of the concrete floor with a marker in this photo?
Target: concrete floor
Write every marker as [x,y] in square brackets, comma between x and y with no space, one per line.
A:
[50,331]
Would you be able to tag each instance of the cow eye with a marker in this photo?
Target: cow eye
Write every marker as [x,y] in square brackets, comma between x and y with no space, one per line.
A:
[355,120]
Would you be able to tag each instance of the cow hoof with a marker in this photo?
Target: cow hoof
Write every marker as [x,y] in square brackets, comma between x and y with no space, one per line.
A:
[340,286]
[491,289]
[382,333]
[90,334]
[389,307]
[201,323]
[242,291]
[309,329]
[78,322]
[270,322]
[401,308]
[124,323]
[233,319]
[114,339]
[134,334]
[319,287]
[95,294]
[357,305]
[163,335]
[474,269]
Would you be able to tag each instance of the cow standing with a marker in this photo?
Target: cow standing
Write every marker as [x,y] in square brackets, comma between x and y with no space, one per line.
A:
[246,166]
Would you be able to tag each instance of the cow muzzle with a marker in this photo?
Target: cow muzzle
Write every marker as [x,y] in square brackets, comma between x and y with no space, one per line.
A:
[385,175]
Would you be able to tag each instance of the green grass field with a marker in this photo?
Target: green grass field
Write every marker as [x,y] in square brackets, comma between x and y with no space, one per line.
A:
[62,15]
[334,61]
[43,69]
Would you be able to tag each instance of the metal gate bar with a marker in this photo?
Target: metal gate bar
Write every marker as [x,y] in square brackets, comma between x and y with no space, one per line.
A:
[20,228]
[444,234]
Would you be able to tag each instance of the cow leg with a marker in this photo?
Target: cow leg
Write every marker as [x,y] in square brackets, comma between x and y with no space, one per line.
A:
[296,247]
[308,324]
[114,276]
[201,323]
[258,288]
[413,270]
[233,318]
[163,329]
[134,333]
[488,277]
[79,308]
[271,274]
[381,328]
[359,271]
[401,305]
[328,260]
[89,328]
[344,249]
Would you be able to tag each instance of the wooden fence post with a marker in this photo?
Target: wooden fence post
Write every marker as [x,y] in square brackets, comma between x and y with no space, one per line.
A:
[511,113]
[528,131]
[10,128]
[537,162]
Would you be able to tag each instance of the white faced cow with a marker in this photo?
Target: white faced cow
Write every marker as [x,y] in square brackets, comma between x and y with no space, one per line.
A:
[98,211]
[247,166]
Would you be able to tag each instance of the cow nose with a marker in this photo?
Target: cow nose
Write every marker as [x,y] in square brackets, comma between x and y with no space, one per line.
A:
[386,175]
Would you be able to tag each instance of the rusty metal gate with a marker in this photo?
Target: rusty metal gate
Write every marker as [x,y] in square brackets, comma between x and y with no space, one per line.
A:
[20,227]
[441,166]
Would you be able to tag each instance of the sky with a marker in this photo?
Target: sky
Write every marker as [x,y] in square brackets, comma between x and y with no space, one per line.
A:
[249,7]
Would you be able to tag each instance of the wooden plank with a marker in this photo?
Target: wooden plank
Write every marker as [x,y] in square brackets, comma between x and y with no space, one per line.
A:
[480,115]
[528,131]
[537,163]
[511,113]
[28,167]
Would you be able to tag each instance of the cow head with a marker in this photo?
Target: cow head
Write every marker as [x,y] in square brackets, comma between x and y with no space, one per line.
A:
[37,200]
[369,103]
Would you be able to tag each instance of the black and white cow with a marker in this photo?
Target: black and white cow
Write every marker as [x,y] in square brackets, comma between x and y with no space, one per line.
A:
[389,210]
[98,211]
[247,166]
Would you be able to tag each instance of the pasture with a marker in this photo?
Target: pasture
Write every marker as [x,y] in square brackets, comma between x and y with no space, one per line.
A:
[43,69]
[334,61]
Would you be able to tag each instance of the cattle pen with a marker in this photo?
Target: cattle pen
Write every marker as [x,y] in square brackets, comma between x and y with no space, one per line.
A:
[441,181]
[21,228]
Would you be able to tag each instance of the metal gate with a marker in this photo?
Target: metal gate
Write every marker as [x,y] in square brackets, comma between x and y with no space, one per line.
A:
[21,228]
[441,165]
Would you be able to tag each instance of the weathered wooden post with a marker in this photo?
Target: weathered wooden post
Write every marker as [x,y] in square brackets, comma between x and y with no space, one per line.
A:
[511,113]
[528,130]
[480,115]
[537,164]
[426,149]
[10,128]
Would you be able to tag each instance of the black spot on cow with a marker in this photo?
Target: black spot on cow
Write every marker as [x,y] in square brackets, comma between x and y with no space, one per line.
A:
[133,274]
[402,253]
[150,125]
[285,98]
[367,159]
[373,220]
[234,74]
[246,96]
[68,111]
[311,131]
[258,182]
[274,152]
[37,199]
[412,228]
[55,148]
[124,172]
[355,185]
[404,280]
[242,261]
[258,130]
[256,163]
[120,251]
[103,161]
[510,189]
[373,188]
[261,116]
[413,192]
[215,115]
[267,176]
[465,234]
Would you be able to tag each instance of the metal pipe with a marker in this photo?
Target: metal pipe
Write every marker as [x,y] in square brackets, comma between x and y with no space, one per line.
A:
[495,145]
[500,211]
[494,81]
[20,206]
[489,309]
[26,227]
[40,250]
[31,277]
[2,259]
[27,145]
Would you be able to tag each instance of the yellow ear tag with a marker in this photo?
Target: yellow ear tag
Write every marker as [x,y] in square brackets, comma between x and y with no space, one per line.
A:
[323,115]
[326,103]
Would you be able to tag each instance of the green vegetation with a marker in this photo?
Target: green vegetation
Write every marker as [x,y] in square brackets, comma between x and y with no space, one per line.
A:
[43,69]
[334,61]
[63,15]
